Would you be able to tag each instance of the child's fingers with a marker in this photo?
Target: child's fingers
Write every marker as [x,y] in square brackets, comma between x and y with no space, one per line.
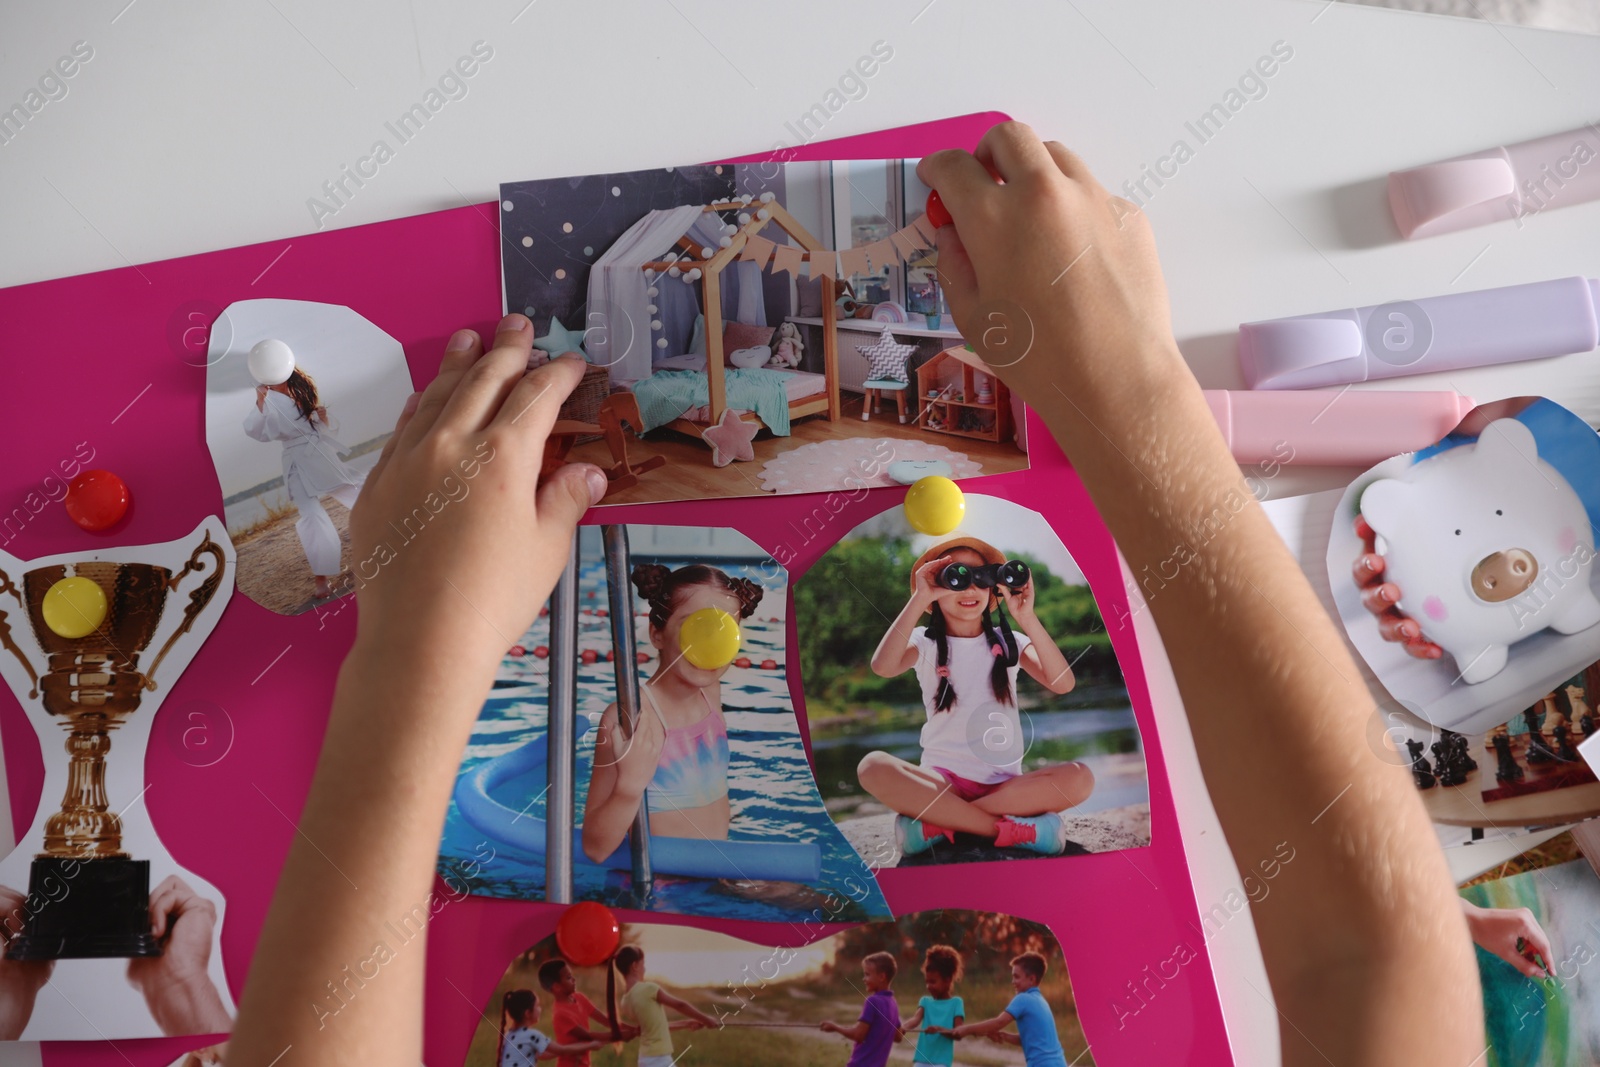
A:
[1014,151]
[1069,164]
[460,354]
[482,390]
[961,180]
[1381,598]
[530,409]
[568,493]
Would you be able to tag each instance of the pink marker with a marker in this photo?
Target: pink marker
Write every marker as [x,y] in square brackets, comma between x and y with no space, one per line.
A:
[1512,182]
[1333,427]
[1479,329]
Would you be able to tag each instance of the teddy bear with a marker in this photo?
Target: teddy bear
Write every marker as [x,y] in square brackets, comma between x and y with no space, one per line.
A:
[1489,545]
[787,348]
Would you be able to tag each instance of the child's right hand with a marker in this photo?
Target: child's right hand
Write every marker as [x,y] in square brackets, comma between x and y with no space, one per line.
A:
[636,758]
[928,590]
[1053,281]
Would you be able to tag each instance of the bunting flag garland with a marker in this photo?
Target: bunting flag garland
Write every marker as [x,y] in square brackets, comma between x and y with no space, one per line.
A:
[787,257]
[757,250]
[852,261]
[904,244]
[925,228]
[882,254]
[824,264]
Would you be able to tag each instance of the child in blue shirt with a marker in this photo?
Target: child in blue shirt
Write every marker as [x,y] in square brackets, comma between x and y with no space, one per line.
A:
[937,1013]
[1036,1025]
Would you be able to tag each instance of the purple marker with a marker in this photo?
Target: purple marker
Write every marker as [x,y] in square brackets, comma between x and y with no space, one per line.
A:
[1505,325]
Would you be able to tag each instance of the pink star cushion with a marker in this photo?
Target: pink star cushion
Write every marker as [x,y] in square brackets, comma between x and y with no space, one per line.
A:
[731,438]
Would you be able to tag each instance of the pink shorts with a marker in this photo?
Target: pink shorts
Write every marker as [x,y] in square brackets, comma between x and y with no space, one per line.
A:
[966,788]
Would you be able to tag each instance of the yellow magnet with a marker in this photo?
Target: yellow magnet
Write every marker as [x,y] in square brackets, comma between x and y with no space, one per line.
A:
[74,607]
[709,638]
[935,505]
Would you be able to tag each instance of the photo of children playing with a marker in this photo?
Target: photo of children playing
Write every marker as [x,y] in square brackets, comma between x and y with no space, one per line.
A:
[736,826]
[930,746]
[932,988]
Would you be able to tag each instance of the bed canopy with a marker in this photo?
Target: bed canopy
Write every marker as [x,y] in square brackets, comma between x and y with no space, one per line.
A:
[640,307]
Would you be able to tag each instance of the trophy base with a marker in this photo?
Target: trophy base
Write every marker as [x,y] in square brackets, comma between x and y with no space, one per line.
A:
[86,909]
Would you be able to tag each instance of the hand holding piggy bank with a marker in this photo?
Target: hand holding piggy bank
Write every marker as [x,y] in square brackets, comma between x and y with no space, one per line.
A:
[1488,544]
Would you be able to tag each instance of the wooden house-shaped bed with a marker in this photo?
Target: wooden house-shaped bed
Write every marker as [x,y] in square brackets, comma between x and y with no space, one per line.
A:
[761,213]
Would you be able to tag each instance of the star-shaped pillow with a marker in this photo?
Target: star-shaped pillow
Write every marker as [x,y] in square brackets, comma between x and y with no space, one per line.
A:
[731,438]
[886,358]
[560,340]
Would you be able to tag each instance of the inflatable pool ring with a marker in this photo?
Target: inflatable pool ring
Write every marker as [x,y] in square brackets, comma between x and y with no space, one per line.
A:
[492,798]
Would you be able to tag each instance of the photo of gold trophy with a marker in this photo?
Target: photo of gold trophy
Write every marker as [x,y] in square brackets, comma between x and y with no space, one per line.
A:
[86,896]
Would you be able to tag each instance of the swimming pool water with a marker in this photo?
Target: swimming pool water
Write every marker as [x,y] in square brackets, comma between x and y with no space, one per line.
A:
[772,793]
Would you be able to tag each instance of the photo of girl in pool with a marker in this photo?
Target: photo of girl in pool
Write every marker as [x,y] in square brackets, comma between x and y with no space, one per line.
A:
[963,697]
[736,827]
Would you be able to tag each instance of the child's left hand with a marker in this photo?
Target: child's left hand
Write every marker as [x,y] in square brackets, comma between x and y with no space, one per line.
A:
[1019,601]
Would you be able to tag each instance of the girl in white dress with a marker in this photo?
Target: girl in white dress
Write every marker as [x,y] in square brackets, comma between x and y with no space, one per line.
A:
[292,413]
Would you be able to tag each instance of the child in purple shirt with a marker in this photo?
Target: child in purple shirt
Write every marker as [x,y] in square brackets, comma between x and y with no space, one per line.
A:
[879,1026]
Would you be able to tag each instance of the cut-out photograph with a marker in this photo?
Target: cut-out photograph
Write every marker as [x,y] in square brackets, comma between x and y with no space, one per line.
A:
[300,398]
[689,792]
[947,987]
[1532,922]
[1463,573]
[963,697]
[105,934]
[754,328]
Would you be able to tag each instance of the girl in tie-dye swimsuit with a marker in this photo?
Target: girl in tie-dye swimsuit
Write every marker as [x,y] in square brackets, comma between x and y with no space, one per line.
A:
[678,755]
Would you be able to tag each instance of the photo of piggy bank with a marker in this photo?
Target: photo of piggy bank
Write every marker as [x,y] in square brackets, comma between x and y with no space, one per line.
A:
[1488,544]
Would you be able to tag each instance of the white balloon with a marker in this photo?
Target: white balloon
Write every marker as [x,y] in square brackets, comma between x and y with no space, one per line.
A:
[270,362]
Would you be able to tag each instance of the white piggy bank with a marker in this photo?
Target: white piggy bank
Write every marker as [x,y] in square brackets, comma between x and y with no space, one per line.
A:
[1488,544]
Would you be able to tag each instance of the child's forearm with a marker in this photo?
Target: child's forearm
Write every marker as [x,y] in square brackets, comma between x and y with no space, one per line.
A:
[1052,664]
[362,863]
[1280,719]
[606,824]
[889,659]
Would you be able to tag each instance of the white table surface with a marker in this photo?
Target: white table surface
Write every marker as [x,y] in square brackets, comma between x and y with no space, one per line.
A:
[197,127]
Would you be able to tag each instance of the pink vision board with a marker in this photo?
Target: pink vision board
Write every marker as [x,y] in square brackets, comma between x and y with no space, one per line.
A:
[105,363]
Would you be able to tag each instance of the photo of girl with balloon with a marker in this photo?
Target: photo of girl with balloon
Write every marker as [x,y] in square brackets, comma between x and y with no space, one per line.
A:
[969,778]
[678,750]
[288,409]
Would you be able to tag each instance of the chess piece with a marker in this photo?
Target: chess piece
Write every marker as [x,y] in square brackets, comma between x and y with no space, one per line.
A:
[1507,771]
[1460,751]
[1587,722]
[1564,749]
[1421,773]
[1449,771]
[1538,749]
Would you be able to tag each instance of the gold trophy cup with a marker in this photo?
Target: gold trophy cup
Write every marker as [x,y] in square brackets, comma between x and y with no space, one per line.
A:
[87,897]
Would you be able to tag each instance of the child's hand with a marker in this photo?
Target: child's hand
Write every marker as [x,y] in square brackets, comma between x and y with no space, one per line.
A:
[1052,280]
[636,758]
[928,588]
[829,1027]
[456,544]
[1019,601]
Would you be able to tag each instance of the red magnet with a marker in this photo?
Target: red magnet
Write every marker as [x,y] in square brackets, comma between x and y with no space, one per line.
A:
[97,500]
[938,214]
[587,934]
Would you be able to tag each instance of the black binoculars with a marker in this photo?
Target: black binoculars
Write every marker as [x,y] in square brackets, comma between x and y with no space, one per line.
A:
[1012,573]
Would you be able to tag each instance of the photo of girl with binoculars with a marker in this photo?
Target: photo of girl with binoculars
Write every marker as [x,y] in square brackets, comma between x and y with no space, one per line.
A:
[967,658]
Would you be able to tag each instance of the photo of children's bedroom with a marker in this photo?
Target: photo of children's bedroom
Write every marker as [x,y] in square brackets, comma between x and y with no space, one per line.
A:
[752,329]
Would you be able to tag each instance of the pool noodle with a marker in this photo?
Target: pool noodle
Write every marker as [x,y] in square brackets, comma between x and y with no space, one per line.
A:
[760,861]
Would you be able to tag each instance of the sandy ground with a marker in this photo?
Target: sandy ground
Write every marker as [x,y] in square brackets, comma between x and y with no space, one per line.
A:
[272,568]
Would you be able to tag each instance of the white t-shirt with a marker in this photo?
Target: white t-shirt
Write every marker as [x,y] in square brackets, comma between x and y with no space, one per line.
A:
[522,1046]
[978,738]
